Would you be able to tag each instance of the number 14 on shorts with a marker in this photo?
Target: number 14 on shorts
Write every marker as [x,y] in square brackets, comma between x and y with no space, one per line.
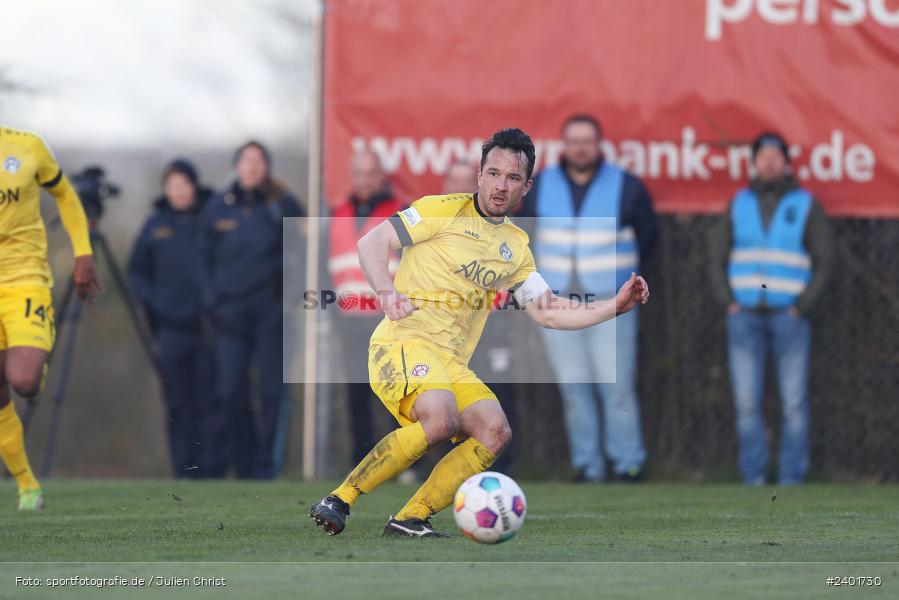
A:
[38,310]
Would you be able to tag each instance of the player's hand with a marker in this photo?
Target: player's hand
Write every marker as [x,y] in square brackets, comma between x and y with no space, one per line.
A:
[733,308]
[85,278]
[634,291]
[395,305]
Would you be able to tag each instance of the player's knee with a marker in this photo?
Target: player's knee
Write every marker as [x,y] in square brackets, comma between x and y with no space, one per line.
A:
[447,426]
[498,436]
[25,384]
[441,427]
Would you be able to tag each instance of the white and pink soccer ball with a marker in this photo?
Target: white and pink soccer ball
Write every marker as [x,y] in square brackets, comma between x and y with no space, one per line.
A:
[489,508]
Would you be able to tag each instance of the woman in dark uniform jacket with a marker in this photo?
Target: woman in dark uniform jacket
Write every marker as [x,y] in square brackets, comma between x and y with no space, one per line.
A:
[242,241]
[165,274]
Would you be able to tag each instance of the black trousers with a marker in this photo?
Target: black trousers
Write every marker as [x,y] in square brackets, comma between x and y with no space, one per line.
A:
[186,370]
[248,341]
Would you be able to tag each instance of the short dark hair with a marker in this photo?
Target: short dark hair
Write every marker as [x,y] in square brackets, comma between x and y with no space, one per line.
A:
[583,118]
[513,139]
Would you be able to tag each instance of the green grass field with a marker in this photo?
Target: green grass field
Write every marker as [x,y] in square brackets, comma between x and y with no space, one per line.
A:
[649,540]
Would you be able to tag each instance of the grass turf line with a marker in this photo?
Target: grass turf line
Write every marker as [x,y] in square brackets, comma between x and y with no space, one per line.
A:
[153,521]
[247,521]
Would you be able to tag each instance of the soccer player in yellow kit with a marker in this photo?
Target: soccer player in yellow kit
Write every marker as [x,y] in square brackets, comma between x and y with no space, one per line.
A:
[458,250]
[26,307]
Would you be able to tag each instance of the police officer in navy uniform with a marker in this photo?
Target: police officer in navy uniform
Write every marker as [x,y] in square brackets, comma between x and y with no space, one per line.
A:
[164,270]
[771,257]
[241,238]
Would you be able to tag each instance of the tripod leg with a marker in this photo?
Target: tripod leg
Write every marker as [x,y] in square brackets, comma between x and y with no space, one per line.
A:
[64,367]
[101,245]
[63,311]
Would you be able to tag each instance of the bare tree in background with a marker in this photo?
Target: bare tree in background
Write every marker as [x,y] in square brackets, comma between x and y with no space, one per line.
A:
[9,86]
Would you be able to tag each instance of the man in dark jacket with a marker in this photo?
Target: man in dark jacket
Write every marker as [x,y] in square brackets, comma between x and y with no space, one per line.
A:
[164,270]
[594,226]
[771,257]
[242,246]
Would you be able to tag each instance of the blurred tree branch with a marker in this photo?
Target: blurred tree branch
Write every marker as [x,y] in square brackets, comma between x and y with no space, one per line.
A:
[9,86]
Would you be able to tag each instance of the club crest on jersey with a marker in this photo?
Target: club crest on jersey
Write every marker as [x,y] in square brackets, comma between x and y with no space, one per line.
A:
[11,164]
[505,252]
[420,370]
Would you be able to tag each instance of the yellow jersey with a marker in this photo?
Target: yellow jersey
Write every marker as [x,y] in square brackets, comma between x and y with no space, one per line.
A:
[26,166]
[454,261]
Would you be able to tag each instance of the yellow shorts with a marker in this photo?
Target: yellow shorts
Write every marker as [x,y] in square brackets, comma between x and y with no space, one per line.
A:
[403,370]
[26,317]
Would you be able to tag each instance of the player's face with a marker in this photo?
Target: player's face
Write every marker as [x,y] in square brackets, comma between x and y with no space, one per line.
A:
[770,164]
[502,182]
[179,191]
[460,178]
[251,168]
[581,145]
[366,177]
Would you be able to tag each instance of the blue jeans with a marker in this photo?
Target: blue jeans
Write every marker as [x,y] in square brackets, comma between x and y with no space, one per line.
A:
[601,359]
[750,337]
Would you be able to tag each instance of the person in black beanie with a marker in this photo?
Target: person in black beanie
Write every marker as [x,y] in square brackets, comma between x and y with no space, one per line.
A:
[242,244]
[771,257]
[164,271]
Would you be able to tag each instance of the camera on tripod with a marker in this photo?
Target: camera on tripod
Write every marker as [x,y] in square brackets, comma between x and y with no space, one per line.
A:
[94,189]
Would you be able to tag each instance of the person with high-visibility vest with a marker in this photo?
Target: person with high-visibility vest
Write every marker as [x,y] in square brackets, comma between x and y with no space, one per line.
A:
[771,257]
[369,203]
[594,224]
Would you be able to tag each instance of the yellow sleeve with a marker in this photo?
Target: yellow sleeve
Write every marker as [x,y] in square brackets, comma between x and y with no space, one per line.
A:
[48,172]
[425,218]
[526,267]
[49,175]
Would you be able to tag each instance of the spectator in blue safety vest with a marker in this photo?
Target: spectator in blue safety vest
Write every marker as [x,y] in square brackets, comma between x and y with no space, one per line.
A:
[242,246]
[594,225]
[164,270]
[771,256]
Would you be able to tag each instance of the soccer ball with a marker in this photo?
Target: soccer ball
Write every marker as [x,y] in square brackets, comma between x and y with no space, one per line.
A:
[489,508]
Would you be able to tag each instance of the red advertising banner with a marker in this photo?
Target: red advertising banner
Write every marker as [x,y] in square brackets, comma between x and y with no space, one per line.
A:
[680,87]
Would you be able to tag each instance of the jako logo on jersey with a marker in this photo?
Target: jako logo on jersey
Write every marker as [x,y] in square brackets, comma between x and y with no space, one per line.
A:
[478,273]
[472,234]
[419,370]
[11,164]
[505,252]
[8,195]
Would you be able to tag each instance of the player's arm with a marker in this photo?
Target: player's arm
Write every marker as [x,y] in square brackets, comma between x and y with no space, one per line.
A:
[375,249]
[71,213]
[555,312]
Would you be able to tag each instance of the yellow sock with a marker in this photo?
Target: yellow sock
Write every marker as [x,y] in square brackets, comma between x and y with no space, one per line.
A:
[391,456]
[12,448]
[437,492]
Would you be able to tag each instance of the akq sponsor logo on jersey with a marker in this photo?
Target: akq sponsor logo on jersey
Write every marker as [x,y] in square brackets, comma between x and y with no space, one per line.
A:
[476,272]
